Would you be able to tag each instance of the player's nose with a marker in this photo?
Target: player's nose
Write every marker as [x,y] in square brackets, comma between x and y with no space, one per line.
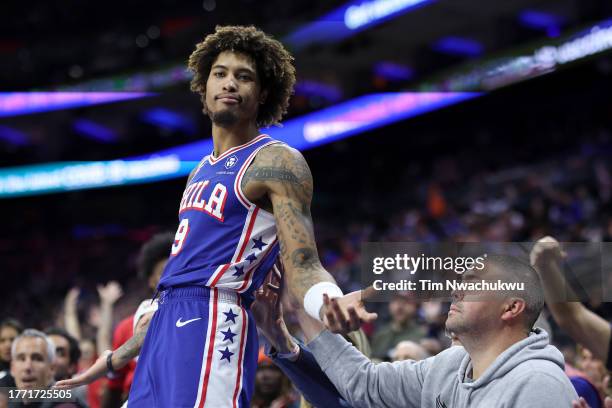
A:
[230,84]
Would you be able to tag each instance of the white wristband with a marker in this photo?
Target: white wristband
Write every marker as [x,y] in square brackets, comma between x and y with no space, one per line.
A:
[313,300]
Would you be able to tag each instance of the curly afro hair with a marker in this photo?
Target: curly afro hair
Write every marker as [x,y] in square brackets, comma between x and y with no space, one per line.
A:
[273,62]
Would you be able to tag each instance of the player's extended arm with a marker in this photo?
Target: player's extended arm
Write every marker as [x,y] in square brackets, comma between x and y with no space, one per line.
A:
[583,326]
[281,175]
[120,358]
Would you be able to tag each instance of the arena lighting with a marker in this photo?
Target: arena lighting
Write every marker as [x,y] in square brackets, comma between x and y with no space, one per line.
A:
[13,137]
[461,46]
[143,81]
[350,19]
[67,176]
[540,20]
[170,120]
[337,122]
[393,71]
[310,88]
[23,103]
[94,131]
[539,59]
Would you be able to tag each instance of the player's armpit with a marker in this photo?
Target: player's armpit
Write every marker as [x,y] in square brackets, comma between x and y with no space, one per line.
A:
[280,174]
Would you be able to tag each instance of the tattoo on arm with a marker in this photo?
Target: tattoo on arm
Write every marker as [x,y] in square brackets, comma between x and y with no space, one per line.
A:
[130,348]
[288,181]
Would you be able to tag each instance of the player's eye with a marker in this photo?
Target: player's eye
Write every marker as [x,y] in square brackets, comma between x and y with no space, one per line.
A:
[219,74]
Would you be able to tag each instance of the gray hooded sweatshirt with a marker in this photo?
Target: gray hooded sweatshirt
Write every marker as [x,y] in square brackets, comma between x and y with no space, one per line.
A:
[527,374]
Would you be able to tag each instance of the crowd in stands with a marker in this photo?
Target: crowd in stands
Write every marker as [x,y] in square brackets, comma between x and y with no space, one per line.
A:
[80,285]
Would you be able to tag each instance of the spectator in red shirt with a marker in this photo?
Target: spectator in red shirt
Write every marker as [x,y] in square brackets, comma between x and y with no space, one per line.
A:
[151,263]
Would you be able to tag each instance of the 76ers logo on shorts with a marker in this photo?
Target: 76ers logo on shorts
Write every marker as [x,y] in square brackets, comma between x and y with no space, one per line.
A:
[231,161]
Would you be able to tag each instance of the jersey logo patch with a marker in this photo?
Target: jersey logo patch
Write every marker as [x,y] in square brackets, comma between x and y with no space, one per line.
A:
[231,161]
[180,323]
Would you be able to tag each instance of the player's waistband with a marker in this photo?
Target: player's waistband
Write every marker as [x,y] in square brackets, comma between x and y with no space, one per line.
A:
[198,292]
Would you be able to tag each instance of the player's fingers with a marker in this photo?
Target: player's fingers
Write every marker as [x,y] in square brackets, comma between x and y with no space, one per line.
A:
[608,402]
[334,318]
[367,317]
[331,321]
[342,320]
[328,313]
[354,320]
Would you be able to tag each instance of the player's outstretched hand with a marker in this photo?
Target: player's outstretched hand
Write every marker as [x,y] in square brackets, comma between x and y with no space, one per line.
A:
[347,313]
[97,370]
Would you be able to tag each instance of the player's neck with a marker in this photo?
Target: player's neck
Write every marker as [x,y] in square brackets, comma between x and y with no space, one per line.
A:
[224,138]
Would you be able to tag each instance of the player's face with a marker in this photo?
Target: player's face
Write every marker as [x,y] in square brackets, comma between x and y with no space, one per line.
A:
[233,91]
[63,369]
[7,335]
[31,367]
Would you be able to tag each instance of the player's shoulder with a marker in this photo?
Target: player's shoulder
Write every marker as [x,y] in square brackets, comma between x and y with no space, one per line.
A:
[279,154]
[193,171]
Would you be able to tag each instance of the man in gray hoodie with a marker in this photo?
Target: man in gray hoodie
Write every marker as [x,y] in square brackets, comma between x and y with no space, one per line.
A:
[502,362]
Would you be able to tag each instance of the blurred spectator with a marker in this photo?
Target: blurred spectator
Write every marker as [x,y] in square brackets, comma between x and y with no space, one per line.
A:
[151,263]
[402,309]
[32,366]
[88,353]
[431,345]
[408,350]
[595,370]
[272,387]
[67,357]
[67,353]
[71,317]
[9,330]
[108,295]
[584,326]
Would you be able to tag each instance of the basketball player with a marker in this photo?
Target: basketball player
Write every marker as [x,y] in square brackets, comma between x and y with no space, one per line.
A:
[244,203]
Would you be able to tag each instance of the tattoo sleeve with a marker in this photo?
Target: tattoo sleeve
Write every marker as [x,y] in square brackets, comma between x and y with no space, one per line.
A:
[130,348]
[287,180]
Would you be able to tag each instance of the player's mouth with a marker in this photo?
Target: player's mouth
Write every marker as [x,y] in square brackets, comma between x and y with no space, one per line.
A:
[230,99]
[454,309]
